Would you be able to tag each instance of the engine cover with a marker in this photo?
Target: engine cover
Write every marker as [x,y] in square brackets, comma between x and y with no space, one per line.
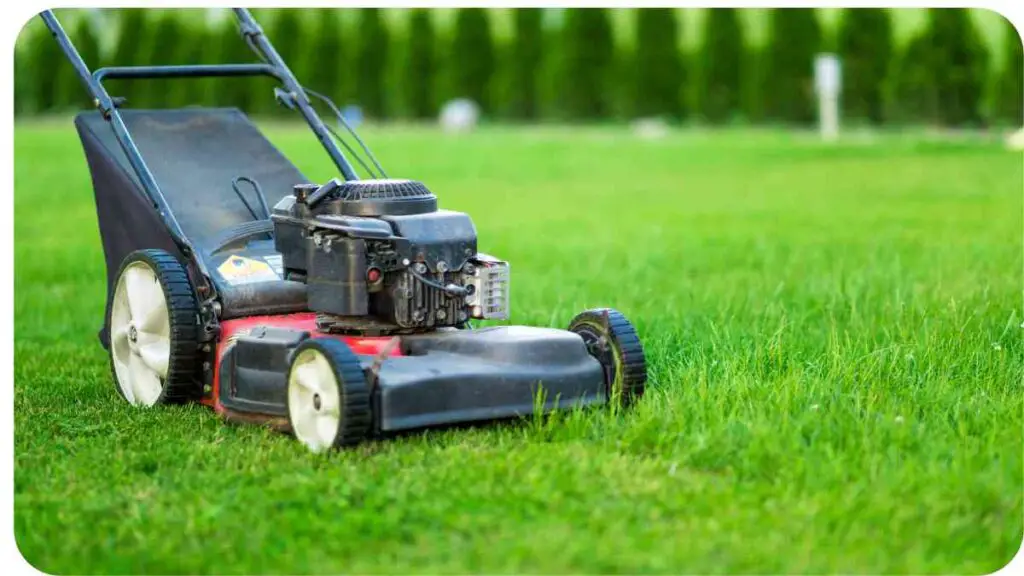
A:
[378,256]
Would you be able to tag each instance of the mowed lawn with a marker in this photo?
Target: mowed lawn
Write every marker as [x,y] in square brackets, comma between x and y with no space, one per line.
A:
[833,335]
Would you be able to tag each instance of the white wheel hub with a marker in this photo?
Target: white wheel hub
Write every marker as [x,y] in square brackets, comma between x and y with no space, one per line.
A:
[314,402]
[140,340]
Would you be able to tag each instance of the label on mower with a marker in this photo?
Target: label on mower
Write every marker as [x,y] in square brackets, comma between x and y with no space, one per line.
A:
[240,270]
[277,263]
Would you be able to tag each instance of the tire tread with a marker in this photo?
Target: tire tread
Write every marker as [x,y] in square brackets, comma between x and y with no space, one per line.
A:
[356,407]
[181,384]
[626,343]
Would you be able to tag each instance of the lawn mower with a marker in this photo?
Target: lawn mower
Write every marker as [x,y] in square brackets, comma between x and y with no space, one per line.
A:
[338,311]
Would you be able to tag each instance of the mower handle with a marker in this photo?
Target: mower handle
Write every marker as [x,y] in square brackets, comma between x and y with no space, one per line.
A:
[189,71]
[272,65]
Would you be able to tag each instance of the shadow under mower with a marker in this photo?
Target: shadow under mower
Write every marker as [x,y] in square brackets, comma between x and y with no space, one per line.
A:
[338,311]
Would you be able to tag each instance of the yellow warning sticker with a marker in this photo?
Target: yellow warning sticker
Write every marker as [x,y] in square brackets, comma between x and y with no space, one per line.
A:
[240,270]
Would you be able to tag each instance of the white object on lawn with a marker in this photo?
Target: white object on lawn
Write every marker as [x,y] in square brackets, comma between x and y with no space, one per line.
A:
[459,115]
[828,84]
[1016,140]
[314,400]
[650,128]
[140,339]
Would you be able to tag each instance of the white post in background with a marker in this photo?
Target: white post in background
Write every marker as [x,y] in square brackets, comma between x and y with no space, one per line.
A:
[828,83]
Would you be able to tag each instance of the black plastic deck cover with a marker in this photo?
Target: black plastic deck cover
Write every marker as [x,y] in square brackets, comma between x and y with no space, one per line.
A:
[453,376]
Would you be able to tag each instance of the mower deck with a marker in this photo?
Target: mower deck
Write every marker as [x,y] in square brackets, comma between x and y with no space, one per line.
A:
[456,376]
[421,380]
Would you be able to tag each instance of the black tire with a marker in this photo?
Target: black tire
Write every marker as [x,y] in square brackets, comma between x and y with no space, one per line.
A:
[611,338]
[355,412]
[180,383]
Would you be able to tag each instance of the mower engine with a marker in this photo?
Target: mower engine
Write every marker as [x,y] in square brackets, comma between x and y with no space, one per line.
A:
[379,257]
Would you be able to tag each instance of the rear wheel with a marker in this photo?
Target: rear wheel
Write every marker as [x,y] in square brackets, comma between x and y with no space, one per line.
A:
[154,330]
[613,341]
[328,398]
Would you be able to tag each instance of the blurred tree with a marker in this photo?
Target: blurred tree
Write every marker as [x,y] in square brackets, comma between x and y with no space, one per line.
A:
[794,38]
[23,79]
[472,57]
[197,40]
[229,47]
[70,92]
[961,62]
[164,47]
[46,60]
[1010,86]
[133,27]
[372,57]
[754,84]
[324,58]
[658,70]
[722,66]
[420,62]
[526,62]
[550,101]
[588,51]
[865,46]
[913,93]
[289,37]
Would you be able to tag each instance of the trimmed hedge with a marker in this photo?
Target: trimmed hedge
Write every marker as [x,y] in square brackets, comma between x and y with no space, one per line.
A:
[788,88]
[960,62]
[588,53]
[554,63]
[371,61]
[420,66]
[914,98]
[722,66]
[865,45]
[1010,89]
[325,58]
[527,59]
[472,57]
[658,71]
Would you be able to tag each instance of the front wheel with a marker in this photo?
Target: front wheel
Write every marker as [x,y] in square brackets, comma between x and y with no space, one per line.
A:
[328,397]
[613,341]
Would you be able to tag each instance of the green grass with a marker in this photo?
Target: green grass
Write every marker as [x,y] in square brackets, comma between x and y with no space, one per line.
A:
[834,340]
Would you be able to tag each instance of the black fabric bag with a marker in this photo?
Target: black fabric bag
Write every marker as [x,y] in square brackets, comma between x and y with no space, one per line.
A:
[193,154]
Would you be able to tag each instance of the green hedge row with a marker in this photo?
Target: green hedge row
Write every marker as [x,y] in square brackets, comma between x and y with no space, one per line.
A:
[554,64]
